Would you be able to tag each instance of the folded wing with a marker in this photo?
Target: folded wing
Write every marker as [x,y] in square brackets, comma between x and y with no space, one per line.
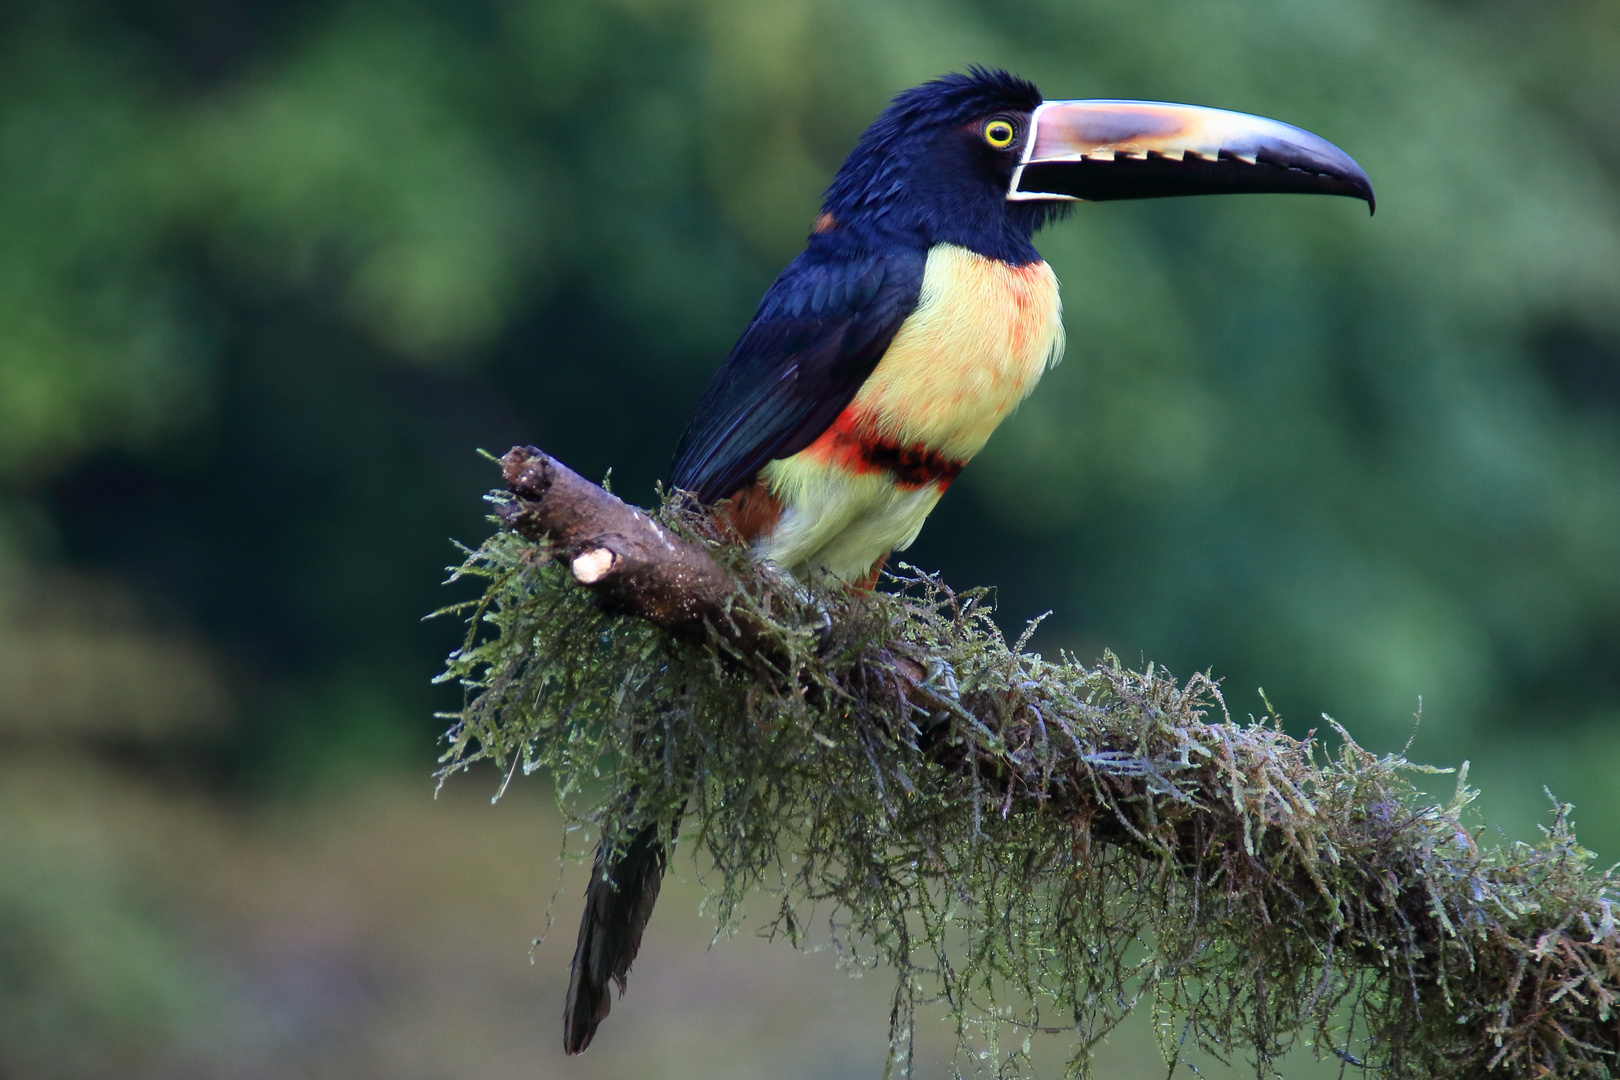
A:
[819,332]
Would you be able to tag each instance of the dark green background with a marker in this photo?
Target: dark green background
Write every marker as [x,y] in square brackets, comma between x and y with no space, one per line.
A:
[270,273]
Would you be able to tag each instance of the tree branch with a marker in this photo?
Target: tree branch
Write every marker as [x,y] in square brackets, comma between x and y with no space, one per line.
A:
[1068,814]
[629,562]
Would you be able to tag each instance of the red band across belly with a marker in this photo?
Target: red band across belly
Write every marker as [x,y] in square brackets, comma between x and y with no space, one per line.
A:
[852,445]
[912,466]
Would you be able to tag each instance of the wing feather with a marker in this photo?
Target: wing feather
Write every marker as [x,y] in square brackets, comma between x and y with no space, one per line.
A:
[820,330]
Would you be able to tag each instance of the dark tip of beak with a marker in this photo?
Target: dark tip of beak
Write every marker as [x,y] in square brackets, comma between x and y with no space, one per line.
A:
[1338,174]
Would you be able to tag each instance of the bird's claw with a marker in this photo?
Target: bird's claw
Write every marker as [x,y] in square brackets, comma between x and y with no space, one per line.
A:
[940,682]
[823,627]
[942,677]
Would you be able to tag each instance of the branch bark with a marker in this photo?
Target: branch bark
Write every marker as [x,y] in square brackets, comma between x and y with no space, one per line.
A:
[632,564]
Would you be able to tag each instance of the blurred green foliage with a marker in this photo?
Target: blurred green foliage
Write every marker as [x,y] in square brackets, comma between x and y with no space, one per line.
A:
[271,270]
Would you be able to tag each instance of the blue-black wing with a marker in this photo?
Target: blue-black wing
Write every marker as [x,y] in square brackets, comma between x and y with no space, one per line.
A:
[819,332]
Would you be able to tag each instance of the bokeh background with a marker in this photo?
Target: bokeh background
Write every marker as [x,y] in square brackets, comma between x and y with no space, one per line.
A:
[272,270]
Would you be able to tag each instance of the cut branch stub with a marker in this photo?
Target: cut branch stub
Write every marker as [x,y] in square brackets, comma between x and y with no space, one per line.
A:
[630,562]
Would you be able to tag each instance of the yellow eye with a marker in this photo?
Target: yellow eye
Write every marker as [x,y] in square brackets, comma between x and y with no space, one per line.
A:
[999,133]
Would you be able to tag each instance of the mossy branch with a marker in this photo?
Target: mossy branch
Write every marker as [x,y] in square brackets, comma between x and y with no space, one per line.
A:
[1042,845]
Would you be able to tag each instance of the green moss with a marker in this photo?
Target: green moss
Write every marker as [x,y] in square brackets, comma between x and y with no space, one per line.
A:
[1048,845]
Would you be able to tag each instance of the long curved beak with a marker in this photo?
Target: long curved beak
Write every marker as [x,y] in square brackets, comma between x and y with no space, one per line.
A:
[1099,150]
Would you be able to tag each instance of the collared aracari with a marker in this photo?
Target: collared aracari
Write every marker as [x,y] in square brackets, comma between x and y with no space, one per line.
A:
[918,316]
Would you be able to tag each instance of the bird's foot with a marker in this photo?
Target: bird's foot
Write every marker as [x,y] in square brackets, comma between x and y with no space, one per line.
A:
[823,625]
[942,678]
[939,684]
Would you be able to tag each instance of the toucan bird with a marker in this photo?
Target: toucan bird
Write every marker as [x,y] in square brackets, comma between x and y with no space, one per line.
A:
[918,316]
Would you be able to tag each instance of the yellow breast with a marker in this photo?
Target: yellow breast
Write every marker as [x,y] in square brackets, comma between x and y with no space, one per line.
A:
[978,341]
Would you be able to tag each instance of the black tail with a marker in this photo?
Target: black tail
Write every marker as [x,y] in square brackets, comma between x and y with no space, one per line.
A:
[618,902]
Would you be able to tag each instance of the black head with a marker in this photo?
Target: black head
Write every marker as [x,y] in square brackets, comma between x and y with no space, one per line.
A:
[936,166]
